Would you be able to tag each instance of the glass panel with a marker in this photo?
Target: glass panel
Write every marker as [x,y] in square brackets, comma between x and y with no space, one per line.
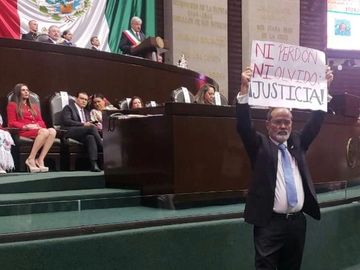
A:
[98,206]
[353,189]
[331,191]
[55,215]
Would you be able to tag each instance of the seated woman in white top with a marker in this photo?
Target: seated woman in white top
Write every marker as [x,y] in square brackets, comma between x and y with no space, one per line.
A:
[6,141]
[99,103]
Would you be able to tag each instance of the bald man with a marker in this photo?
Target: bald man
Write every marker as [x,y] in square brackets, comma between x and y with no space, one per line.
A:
[32,34]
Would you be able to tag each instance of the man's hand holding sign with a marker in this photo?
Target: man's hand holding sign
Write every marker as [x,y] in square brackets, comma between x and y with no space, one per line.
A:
[282,76]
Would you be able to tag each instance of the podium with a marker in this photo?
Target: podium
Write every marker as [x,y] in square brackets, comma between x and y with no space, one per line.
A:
[160,154]
[149,48]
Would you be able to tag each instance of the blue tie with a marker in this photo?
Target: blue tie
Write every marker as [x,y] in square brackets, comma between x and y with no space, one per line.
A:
[289,178]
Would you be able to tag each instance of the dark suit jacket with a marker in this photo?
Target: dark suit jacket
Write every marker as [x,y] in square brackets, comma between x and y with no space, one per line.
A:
[48,41]
[29,36]
[67,43]
[125,43]
[263,154]
[70,116]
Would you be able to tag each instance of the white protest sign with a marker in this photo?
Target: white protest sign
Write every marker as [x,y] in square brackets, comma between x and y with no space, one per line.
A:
[287,76]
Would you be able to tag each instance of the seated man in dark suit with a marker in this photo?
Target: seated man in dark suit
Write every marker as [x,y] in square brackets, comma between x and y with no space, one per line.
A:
[281,188]
[133,37]
[75,118]
[33,28]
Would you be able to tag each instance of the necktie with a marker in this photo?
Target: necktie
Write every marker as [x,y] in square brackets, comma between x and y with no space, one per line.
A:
[83,118]
[289,178]
[138,35]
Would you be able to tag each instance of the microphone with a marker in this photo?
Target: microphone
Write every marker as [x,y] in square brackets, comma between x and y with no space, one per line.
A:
[331,111]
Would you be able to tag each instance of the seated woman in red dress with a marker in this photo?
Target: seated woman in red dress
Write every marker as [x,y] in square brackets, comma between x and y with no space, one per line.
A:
[27,118]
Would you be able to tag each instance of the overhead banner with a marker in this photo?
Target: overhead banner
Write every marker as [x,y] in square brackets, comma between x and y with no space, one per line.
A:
[287,76]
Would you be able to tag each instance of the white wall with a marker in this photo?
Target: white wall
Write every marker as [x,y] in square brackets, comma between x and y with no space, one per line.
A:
[198,29]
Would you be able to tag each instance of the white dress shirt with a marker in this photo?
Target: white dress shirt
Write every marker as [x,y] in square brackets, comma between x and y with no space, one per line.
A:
[81,113]
[280,200]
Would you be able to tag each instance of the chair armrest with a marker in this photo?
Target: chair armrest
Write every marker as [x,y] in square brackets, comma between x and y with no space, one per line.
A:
[60,133]
[12,131]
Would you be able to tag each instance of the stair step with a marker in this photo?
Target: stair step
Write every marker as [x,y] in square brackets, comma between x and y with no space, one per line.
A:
[69,200]
[52,181]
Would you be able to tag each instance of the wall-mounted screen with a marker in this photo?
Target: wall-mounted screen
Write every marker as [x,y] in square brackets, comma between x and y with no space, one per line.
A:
[343,24]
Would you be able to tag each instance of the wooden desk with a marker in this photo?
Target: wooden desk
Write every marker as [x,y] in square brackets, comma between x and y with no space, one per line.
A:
[176,152]
[192,148]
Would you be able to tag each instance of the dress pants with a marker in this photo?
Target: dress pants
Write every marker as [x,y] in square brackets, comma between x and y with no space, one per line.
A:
[280,244]
[90,137]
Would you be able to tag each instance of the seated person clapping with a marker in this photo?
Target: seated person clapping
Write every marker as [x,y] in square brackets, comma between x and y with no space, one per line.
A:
[99,103]
[6,159]
[136,103]
[205,95]
[25,116]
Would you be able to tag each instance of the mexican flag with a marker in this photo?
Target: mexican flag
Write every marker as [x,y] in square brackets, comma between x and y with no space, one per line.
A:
[105,19]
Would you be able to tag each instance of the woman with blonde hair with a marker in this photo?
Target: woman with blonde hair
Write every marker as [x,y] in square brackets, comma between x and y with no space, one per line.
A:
[25,116]
[205,95]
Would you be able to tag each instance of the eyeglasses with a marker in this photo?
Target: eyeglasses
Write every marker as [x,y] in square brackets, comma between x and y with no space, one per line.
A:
[280,122]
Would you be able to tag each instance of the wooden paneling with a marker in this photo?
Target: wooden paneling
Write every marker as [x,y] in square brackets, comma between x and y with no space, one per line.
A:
[313,24]
[159,18]
[48,68]
[169,157]
[234,48]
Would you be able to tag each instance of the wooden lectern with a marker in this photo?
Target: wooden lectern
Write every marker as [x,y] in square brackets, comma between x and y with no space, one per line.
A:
[149,48]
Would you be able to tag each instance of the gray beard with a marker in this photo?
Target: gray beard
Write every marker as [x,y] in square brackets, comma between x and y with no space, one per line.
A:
[282,138]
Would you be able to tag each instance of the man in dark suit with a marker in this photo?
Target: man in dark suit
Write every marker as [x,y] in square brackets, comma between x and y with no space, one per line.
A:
[133,37]
[54,35]
[75,118]
[275,205]
[33,28]
[95,43]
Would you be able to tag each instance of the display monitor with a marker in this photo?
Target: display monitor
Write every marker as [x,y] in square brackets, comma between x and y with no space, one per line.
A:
[343,24]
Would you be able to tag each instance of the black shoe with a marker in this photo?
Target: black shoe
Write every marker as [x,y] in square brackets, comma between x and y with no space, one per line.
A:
[94,167]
